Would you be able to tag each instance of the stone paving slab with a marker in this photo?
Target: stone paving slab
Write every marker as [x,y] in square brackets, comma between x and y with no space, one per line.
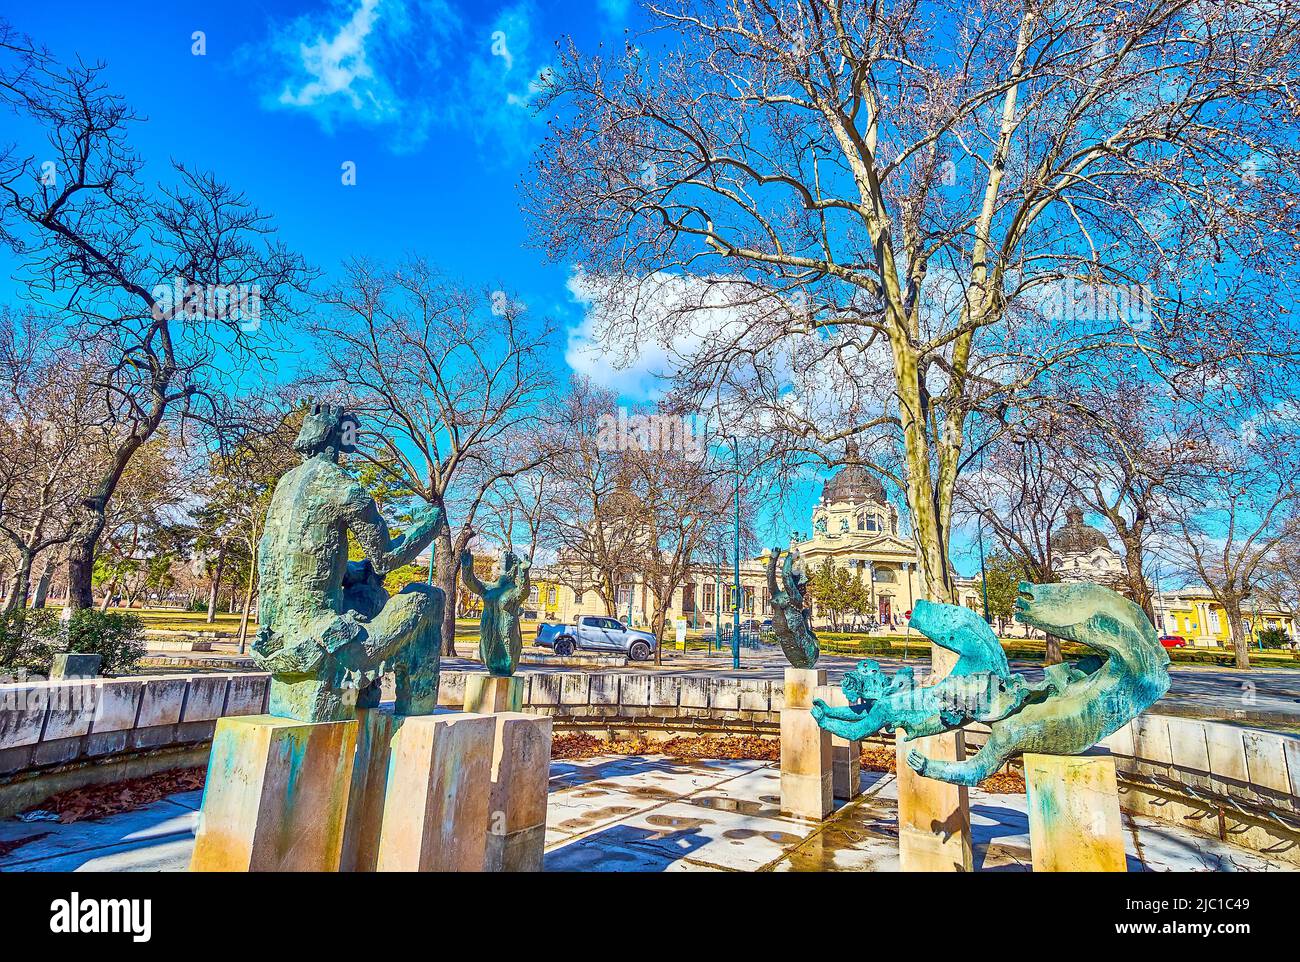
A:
[654,814]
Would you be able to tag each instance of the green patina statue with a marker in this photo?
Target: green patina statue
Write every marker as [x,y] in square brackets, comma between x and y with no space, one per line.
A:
[328,629]
[790,624]
[499,641]
[980,686]
[1070,710]
[1076,705]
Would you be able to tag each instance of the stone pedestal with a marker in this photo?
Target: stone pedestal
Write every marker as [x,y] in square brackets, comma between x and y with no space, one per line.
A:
[276,796]
[806,776]
[375,730]
[846,755]
[486,694]
[1074,820]
[933,816]
[516,821]
[436,802]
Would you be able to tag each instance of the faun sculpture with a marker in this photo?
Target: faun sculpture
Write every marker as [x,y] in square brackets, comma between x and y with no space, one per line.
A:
[1070,710]
[328,629]
[790,617]
[499,641]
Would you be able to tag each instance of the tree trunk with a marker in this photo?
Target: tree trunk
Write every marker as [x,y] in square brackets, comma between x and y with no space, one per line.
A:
[1237,631]
[216,583]
[22,583]
[43,585]
[1134,579]
[248,599]
[1052,655]
[447,577]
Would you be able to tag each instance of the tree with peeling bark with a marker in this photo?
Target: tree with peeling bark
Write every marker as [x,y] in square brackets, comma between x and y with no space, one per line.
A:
[174,284]
[939,202]
[447,382]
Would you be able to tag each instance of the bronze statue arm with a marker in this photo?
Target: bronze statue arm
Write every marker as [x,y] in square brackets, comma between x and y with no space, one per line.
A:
[467,574]
[521,579]
[791,581]
[384,552]
[772,589]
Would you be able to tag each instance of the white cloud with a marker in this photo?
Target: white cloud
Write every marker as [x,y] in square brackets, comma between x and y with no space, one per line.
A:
[335,65]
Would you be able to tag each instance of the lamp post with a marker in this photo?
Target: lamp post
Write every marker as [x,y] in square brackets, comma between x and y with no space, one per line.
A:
[735,620]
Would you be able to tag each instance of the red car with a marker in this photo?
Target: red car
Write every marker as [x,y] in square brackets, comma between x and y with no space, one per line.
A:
[1174,641]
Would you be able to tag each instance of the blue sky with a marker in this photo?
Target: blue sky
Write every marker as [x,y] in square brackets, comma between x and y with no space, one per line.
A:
[429,101]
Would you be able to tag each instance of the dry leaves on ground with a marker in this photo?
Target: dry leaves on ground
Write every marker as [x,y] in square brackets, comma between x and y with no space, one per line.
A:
[96,801]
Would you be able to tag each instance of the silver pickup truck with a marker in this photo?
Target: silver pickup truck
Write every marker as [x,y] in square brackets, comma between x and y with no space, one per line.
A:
[597,633]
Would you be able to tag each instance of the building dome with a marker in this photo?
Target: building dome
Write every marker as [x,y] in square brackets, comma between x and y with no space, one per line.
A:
[1075,537]
[853,484]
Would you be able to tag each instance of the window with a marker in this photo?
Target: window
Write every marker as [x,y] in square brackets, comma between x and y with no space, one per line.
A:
[550,596]
[533,595]
[709,597]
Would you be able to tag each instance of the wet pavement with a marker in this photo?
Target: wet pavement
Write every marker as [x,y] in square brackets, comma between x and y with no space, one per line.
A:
[653,814]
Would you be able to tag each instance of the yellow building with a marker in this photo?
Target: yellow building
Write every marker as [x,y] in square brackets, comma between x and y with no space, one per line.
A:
[854,525]
[1195,615]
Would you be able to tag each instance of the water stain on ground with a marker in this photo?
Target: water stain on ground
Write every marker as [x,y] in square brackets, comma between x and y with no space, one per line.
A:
[595,817]
[742,806]
[739,836]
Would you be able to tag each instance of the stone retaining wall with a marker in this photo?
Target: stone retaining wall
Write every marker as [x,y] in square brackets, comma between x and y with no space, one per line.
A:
[48,728]
[1235,782]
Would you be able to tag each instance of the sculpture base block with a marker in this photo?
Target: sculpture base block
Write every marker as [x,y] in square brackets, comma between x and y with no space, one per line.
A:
[521,768]
[1074,820]
[436,802]
[846,754]
[933,816]
[276,796]
[806,768]
[486,694]
[375,731]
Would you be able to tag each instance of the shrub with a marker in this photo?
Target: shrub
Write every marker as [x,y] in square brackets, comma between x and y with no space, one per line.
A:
[29,639]
[114,636]
[1273,637]
[24,642]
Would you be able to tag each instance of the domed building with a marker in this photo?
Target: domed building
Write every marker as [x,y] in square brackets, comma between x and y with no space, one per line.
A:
[1081,552]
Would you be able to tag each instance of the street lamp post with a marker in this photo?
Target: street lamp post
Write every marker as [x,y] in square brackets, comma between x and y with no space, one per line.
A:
[735,620]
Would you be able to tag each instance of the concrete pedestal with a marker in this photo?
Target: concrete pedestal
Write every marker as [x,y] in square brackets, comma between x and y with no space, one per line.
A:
[516,822]
[276,796]
[846,755]
[486,694]
[1074,820]
[375,730]
[436,802]
[933,816]
[806,775]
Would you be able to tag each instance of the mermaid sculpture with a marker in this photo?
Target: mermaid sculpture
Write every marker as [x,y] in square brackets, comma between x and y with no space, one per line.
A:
[790,624]
[980,686]
[1073,708]
[499,641]
[328,629]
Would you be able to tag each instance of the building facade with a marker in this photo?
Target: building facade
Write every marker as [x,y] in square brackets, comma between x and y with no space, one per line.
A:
[853,525]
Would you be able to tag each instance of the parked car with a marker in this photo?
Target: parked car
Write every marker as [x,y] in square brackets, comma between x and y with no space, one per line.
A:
[1173,641]
[597,633]
[765,624]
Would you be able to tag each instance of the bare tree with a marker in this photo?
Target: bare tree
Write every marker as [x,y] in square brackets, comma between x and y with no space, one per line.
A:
[1229,529]
[593,509]
[879,196]
[47,435]
[447,381]
[173,284]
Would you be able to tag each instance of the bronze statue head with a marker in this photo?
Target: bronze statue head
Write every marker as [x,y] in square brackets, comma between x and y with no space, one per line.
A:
[326,428]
